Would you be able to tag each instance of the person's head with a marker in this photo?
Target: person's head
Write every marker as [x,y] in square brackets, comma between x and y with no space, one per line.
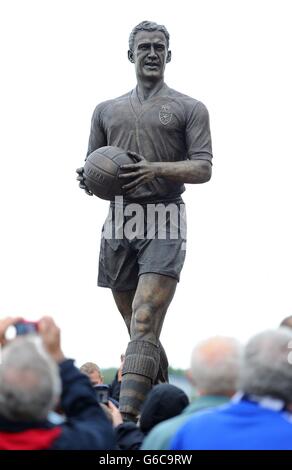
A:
[30,385]
[265,369]
[164,401]
[93,372]
[215,366]
[148,50]
[287,322]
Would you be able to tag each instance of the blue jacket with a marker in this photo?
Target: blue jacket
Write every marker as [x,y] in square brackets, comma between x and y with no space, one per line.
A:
[243,425]
[85,427]
[161,435]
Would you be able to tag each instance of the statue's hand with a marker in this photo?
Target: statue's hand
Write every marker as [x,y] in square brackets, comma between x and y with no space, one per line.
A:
[80,178]
[141,172]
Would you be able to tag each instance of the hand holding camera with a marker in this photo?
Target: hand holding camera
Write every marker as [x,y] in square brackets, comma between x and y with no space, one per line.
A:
[5,324]
[20,327]
[46,328]
[116,415]
[51,336]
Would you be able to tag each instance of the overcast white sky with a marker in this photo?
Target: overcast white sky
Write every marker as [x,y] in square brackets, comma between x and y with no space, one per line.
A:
[59,59]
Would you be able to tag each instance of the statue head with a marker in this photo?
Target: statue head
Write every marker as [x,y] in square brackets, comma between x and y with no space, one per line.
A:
[148,50]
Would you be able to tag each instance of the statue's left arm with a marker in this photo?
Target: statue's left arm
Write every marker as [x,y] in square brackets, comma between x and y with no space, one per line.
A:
[197,168]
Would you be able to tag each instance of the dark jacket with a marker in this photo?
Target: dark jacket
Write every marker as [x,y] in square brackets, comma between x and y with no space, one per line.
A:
[86,426]
[115,388]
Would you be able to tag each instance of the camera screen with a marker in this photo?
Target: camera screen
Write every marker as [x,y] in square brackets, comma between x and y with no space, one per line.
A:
[102,393]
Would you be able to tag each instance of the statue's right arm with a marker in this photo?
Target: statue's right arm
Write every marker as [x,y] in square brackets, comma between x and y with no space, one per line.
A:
[97,137]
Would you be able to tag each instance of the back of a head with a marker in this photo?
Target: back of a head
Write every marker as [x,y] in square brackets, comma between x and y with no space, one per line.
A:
[215,365]
[30,385]
[287,322]
[164,401]
[265,368]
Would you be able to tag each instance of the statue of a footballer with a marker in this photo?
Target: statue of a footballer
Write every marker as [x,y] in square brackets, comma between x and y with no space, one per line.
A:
[167,135]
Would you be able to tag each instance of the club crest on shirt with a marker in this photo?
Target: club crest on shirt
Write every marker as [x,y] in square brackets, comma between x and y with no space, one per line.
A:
[165,115]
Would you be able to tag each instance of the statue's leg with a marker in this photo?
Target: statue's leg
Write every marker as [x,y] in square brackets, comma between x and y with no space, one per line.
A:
[152,298]
[124,301]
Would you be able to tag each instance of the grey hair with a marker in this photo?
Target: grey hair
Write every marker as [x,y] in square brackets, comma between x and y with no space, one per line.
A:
[215,365]
[30,385]
[147,26]
[287,321]
[265,368]
[89,367]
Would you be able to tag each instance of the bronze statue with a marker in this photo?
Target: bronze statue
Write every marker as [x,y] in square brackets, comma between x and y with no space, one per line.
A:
[167,133]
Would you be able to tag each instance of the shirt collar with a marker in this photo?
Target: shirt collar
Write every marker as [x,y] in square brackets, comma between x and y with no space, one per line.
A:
[268,402]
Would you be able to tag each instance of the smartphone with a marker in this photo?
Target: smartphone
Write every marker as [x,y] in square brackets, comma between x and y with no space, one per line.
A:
[102,393]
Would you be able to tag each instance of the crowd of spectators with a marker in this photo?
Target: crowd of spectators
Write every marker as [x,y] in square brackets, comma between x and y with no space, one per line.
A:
[243,397]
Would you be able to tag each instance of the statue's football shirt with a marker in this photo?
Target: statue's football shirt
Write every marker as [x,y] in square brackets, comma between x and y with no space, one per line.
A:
[168,127]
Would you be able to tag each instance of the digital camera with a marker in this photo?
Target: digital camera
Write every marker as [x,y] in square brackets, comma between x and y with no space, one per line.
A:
[25,327]
[102,393]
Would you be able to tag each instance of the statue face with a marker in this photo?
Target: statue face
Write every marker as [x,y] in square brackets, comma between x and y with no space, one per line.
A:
[150,55]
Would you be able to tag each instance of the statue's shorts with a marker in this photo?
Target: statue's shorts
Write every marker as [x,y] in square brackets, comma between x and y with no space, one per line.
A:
[142,238]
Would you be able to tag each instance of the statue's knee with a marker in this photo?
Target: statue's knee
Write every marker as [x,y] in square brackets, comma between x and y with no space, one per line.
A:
[142,324]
